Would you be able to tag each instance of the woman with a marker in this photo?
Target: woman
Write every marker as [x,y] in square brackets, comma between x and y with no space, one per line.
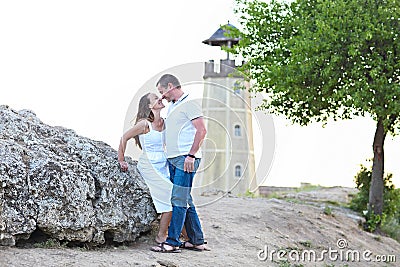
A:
[152,164]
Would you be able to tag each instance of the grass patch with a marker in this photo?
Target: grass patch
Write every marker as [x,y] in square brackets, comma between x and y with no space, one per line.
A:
[250,194]
[277,195]
[328,211]
[50,243]
[284,263]
[295,200]
[333,203]
[307,188]
[307,243]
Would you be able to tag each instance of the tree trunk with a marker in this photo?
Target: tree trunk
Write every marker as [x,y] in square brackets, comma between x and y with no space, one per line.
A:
[376,188]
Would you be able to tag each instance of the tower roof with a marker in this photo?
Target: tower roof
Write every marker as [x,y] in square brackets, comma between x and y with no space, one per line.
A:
[219,38]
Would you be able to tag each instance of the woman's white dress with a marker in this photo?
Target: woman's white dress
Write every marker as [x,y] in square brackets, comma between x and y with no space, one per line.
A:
[153,167]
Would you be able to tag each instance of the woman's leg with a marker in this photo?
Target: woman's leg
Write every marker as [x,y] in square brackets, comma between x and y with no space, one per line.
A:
[184,234]
[163,229]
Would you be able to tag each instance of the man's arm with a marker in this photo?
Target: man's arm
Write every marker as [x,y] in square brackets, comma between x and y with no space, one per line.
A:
[201,132]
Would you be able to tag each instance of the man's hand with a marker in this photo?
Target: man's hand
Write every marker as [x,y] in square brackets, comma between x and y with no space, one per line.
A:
[188,166]
[123,165]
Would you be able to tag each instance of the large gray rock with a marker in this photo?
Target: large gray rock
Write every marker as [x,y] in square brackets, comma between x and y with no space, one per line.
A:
[65,186]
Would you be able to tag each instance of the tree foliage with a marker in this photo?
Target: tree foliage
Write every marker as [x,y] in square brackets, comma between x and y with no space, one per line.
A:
[321,59]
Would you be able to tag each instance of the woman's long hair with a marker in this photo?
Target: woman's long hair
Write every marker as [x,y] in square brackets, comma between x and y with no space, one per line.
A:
[144,113]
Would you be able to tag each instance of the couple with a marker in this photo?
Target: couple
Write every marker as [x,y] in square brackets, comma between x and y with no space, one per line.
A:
[169,177]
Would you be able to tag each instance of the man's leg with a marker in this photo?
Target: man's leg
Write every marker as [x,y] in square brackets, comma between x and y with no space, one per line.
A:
[180,199]
[192,222]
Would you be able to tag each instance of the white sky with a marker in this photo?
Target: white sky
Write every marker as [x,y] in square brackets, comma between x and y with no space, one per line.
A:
[78,64]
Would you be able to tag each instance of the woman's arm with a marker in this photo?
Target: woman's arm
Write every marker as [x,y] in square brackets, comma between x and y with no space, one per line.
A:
[137,129]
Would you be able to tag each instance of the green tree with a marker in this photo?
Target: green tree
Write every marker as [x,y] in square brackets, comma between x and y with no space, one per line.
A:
[320,59]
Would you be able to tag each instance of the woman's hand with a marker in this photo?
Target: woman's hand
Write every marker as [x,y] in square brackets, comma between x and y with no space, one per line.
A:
[123,165]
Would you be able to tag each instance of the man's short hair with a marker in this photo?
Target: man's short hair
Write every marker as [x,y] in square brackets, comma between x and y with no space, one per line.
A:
[168,78]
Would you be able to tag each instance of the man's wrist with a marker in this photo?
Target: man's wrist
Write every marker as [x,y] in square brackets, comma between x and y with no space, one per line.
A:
[191,156]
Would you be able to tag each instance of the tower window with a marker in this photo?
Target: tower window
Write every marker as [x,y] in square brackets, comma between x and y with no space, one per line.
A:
[238,130]
[238,171]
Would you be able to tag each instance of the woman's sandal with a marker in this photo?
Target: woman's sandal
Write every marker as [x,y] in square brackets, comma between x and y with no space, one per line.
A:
[161,248]
[157,242]
[194,247]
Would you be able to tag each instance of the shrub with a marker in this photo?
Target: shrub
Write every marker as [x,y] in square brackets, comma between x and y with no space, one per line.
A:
[391,227]
[390,218]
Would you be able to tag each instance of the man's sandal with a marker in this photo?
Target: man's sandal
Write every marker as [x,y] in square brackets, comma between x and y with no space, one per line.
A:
[193,247]
[161,248]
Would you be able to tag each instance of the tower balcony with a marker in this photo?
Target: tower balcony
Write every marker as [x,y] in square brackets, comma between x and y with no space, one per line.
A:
[223,69]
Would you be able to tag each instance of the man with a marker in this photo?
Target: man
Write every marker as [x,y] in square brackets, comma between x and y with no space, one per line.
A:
[184,132]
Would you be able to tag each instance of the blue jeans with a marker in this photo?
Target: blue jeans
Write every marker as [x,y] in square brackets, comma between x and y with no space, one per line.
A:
[183,209]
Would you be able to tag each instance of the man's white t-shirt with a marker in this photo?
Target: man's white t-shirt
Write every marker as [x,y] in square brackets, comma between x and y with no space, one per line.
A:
[179,130]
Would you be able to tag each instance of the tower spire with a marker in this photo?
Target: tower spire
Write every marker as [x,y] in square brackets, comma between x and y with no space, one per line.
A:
[220,39]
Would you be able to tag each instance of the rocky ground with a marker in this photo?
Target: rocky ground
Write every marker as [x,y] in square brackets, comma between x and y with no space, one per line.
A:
[245,232]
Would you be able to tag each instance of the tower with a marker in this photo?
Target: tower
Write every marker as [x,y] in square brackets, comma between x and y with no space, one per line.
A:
[228,151]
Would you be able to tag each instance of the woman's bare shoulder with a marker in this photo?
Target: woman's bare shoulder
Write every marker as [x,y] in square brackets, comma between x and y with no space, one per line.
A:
[143,125]
[142,122]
